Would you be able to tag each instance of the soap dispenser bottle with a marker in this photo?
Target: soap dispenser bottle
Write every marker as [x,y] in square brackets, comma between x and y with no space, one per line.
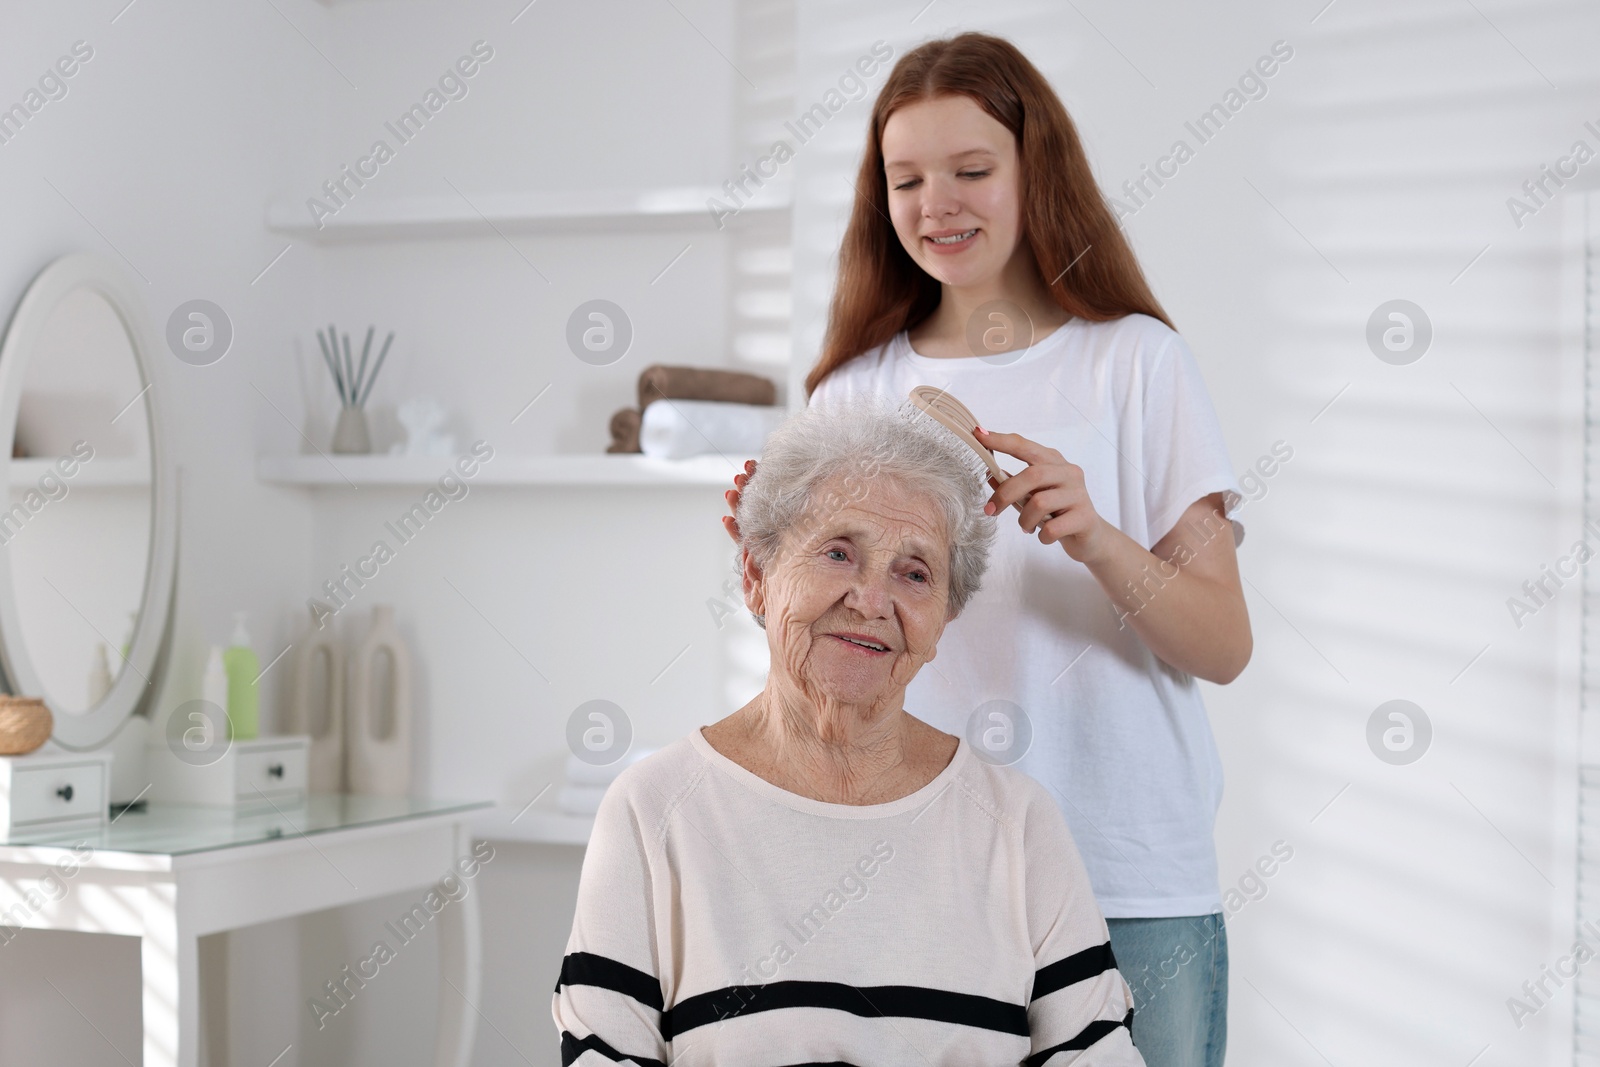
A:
[244,698]
[214,683]
[214,691]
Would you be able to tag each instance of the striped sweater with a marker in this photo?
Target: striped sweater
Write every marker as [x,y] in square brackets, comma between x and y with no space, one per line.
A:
[723,920]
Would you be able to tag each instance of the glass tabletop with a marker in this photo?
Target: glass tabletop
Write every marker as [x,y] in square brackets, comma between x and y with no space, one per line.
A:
[177,829]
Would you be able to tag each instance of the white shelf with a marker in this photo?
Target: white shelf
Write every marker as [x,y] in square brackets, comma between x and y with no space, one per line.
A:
[535,826]
[367,217]
[121,471]
[336,471]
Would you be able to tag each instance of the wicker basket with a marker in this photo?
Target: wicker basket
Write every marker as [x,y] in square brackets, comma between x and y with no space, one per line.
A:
[25,724]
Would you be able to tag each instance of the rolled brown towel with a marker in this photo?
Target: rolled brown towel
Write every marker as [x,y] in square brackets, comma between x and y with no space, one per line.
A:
[625,431]
[701,383]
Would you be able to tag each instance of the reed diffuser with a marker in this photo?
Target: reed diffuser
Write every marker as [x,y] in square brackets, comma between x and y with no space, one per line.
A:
[354,385]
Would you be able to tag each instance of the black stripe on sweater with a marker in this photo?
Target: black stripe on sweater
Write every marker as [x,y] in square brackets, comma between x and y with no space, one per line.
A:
[912,1002]
[1086,1037]
[585,968]
[1075,968]
[573,1047]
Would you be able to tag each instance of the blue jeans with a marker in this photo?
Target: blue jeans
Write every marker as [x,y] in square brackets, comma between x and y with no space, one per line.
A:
[1178,971]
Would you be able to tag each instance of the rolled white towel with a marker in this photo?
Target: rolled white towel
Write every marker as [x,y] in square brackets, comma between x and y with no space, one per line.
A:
[677,429]
[580,799]
[581,773]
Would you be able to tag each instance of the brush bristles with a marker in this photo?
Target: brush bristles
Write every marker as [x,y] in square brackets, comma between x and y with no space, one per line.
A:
[918,417]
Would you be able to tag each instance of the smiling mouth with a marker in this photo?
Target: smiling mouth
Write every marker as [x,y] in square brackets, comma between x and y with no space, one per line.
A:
[870,645]
[955,238]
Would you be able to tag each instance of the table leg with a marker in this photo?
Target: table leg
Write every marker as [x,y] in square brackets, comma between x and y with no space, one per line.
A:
[460,969]
[169,963]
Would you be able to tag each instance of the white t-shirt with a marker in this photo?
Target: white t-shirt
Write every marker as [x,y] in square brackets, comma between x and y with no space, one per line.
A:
[1119,738]
[724,920]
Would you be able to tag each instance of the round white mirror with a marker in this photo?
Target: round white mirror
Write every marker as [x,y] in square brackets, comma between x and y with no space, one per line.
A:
[88,534]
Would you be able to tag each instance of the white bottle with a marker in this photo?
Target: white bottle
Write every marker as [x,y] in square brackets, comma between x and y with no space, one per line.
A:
[378,760]
[214,686]
[325,761]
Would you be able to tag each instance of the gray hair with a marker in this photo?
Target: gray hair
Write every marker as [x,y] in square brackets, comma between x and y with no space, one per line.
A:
[860,440]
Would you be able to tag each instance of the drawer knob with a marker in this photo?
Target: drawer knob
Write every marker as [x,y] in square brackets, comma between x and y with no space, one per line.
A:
[275,771]
[65,793]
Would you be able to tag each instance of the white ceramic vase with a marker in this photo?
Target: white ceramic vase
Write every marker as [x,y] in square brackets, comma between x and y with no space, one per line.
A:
[319,684]
[350,432]
[378,754]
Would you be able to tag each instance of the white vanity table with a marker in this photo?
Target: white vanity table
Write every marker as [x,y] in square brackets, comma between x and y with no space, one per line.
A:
[174,873]
[88,567]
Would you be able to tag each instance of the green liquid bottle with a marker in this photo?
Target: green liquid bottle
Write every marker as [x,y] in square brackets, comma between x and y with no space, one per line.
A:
[244,697]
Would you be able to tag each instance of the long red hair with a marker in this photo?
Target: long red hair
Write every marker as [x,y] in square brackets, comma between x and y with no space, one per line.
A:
[881,290]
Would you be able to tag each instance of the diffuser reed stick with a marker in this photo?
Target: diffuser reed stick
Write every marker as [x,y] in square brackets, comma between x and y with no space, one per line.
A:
[362,402]
[353,382]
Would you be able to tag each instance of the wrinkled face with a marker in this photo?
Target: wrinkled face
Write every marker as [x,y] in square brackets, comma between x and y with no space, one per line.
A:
[954,190]
[855,598]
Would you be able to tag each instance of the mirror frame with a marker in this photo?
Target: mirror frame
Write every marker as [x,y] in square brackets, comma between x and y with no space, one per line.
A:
[94,727]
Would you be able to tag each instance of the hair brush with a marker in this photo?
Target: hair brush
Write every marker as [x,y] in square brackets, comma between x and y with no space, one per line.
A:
[953,415]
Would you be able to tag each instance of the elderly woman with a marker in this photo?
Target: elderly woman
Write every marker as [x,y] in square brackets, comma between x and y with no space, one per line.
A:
[821,877]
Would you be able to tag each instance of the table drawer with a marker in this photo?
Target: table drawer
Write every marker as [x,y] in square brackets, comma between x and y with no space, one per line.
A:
[46,794]
[272,771]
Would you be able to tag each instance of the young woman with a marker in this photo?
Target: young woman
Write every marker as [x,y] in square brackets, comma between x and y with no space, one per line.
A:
[982,258]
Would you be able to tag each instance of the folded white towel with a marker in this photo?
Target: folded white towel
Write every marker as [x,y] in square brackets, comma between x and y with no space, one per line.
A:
[677,429]
[580,799]
[581,773]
